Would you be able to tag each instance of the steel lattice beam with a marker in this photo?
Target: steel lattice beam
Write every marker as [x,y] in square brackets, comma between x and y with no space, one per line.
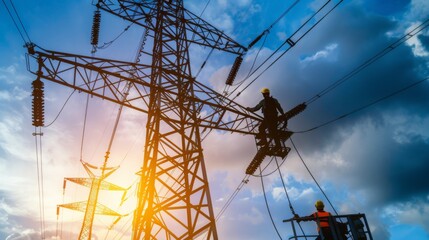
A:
[143,13]
[106,79]
[173,197]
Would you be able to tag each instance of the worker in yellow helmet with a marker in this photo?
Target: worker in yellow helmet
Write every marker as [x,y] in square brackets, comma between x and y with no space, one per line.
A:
[321,217]
[270,108]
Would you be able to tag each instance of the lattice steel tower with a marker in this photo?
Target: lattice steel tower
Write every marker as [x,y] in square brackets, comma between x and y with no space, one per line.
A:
[174,192]
[173,196]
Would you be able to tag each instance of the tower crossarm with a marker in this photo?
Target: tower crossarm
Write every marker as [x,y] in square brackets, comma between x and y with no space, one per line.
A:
[103,78]
[142,13]
[99,209]
[106,79]
[221,113]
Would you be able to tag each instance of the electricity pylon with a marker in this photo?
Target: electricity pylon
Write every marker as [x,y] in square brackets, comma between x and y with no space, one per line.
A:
[91,207]
[173,197]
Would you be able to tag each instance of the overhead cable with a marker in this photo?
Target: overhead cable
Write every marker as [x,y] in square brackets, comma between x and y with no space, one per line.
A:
[371,60]
[62,108]
[40,182]
[290,42]
[266,204]
[266,31]
[288,199]
[312,176]
[367,105]
[26,41]
[233,195]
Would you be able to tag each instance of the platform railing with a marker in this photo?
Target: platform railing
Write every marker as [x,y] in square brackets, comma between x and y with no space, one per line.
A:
[341,227]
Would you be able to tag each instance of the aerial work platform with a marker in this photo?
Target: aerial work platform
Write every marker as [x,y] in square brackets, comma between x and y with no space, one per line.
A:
[282,134]
[270,149]
[342,227]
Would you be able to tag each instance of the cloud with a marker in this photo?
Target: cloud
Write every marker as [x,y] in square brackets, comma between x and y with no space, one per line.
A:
[418,10]
[377,154]
[11,75]
[418,47]
[321,54]
[369,153]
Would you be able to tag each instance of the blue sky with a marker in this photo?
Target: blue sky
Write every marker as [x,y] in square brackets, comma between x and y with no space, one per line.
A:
[374,161]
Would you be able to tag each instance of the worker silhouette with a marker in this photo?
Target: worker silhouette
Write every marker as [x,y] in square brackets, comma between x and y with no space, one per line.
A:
[270,108]
[321,217]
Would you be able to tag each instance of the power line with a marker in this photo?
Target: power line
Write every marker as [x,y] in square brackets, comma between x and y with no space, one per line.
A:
[39,162]
[62,108]
[312,176]
[371,60]
[257,39]
[284,187]
[233,195]
[268,174]
[288,199]
[291,44]
[19,19]
[14,22]
[266,204]
[367,105]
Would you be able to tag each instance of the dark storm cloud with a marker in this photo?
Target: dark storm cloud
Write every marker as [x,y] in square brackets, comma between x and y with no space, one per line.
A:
[358,39]
[377,159]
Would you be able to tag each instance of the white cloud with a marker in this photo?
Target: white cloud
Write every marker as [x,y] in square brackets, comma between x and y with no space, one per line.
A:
[278,194]
[254,216]
[12,210]
[12,75]
[16,94]
[416,45]
[325,53]
[5,96]
[419,10]
[411,212]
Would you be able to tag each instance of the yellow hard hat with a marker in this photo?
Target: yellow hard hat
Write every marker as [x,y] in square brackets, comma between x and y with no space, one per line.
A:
[265,90]
[319,204]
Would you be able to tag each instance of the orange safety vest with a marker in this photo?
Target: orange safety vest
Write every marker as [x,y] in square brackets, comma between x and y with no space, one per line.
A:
[323,219]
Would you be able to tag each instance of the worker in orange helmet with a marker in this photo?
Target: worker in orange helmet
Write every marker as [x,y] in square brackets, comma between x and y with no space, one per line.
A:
[322,219]
[270,108]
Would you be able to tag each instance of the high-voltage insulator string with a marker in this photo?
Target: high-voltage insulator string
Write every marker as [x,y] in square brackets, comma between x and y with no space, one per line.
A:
[95,31]
[269,163]
[257,39]
[239,59]
[266,31]
[371,60]
[367,105]
[38,110]
[291,44]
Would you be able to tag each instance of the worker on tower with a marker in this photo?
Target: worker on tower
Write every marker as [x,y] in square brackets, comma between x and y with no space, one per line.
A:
[270,108]
[322,219]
